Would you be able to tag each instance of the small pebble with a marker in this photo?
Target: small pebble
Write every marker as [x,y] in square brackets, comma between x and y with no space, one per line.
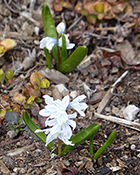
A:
[62,89]
[133,147]
[73,94]
[66,162]
[138,155]
[36,30]
[130,112]
[36,42]
[114,70]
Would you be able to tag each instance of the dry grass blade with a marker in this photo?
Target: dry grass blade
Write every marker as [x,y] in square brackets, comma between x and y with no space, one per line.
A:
[119,121]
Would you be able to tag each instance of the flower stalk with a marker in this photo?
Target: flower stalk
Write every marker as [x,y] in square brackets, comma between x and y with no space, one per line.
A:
[59,146]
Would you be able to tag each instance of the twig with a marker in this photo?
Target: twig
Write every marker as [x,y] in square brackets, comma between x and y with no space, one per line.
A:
[112,28]
[10,8]
[12,141]
[16,35]
[74,23]
[27,15]
[119,79]
[109,93]
[120,121]
[27,45]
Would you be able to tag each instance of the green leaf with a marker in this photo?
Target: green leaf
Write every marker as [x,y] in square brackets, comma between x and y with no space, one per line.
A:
[49,28]
[20,120]
[82,136]
[105,145]
[75,58]
[64,49]
[30,100]
[2,76]
[33,127]
[48,58]
[91,145]
[45,83]
[9,75]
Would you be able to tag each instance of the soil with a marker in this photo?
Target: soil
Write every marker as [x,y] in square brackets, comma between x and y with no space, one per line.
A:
[25,153]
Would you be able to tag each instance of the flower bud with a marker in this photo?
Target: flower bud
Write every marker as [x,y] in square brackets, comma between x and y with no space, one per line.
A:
[60,28]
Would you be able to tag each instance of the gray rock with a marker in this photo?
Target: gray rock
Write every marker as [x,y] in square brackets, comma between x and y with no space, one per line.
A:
[130,112]
[55,76]
[97,97]
[62,89]
[87,62]
[11,117]
[12,134]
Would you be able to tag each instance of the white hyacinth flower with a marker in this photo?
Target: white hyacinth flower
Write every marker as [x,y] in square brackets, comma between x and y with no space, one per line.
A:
[60,28]
[54,108]
[58,119]
[79,106]
[60,128]
[48,42]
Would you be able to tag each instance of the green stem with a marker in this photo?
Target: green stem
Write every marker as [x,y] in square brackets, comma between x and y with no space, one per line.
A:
[91,145]
[59,57]
[59,146]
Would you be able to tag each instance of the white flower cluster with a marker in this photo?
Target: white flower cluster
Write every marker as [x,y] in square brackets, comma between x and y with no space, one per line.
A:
[50,42]
[58,118]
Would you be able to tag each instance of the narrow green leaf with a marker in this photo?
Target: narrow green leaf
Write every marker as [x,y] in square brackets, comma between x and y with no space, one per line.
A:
[48,58]
[105,145]
[82,136]
[91,144]
[75,58]
[49,28]
[32,126]
[64,49]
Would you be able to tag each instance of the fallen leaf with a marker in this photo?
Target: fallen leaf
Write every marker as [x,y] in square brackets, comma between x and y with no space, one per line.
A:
[19,98]
[69,171]
[6,45]
[2,114]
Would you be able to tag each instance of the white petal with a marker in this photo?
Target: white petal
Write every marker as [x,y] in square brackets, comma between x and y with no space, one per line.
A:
[65,140]
[72,123]
[48,99]
[51,44]
[60,42]
[50,138]
[66,101]
[43,130]
[79,98]
[67,132]
[48,42]
[70,46]
[44,113]
[74,115]
[62,119]
[38,130]
[60,28]
[56,128]
[80,106]
[80,112]
[50,122]
[43,42]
